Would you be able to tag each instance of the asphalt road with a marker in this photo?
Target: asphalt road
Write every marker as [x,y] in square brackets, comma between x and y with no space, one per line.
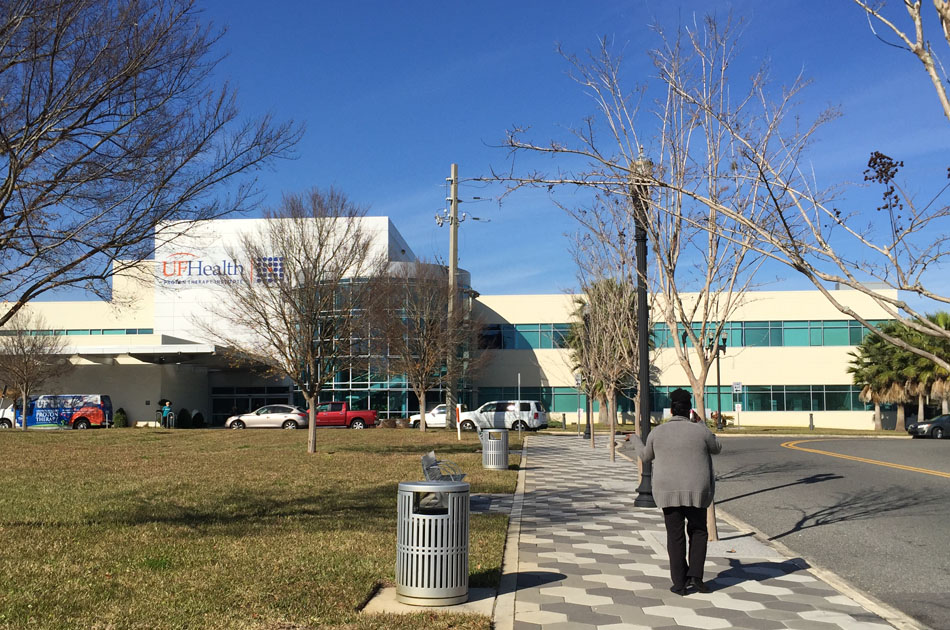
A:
[886,530]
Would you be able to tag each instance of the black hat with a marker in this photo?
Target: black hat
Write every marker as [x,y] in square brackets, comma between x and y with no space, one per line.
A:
[681,396]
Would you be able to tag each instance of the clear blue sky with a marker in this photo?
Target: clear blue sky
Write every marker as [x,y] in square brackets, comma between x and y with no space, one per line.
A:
[393,92]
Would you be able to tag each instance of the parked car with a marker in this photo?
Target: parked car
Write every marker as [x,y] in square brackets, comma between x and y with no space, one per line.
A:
[273,416]
[434,418]
[506,414]
[937,428]
[338,414]
[55,411]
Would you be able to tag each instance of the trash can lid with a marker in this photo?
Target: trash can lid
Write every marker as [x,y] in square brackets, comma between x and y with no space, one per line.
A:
[433,486]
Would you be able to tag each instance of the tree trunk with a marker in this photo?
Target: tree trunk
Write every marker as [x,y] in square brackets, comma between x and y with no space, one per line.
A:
[878,425]
[711,522]
[920,407]
[900,418]
[422,410]
[945,405]
[612,411]
[311,423]
[23,393]
[590,417]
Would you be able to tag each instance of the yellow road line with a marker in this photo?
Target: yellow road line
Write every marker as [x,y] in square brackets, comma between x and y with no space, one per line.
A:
[794,446]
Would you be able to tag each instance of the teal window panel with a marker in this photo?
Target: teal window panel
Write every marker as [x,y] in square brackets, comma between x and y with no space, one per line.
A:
[84,331]
[113,331]
[837,398]
[508,337]
[815,336]
[795,337]
[775,337]
[95,331]
[146,331]
[560,334]
[798,399]
[760,398]
[855,335]
[756,334]
[836,336]
[527,337]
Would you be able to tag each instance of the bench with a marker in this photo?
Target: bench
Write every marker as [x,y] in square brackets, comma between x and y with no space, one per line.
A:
[435,469]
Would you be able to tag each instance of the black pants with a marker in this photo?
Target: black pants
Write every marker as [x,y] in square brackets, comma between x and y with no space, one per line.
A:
[695,521]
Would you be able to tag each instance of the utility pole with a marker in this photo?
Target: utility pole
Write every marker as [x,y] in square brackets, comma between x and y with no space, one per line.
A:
[453,200]
[639,193]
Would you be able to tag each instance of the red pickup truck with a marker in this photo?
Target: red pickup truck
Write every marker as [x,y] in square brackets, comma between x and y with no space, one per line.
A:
[338,414]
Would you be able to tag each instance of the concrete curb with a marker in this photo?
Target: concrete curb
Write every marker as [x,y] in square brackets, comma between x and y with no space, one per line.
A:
[503,617]
[891,615]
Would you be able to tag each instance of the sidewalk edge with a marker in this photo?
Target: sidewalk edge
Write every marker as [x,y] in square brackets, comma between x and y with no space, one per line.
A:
[503,617]
[888,613]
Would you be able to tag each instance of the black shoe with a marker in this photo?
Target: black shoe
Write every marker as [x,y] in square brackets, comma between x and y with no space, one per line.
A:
[679,591]
[698,584]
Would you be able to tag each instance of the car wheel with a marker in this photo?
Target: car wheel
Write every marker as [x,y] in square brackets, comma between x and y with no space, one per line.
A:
[289,424]
[468,425]
[938,433]
[415,425]
[6,424]
[357,424]
[521,425]
[81,424]
[237,424]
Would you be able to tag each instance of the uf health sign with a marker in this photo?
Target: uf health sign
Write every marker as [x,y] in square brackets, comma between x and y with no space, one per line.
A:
[185,268]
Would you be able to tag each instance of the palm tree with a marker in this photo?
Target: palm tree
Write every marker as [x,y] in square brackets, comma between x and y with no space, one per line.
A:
[940,388]
[868,367]
[878,367]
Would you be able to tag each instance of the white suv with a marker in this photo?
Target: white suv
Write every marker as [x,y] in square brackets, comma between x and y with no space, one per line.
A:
[507,414]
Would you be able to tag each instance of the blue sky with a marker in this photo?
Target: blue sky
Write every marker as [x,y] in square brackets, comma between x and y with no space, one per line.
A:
[392,93]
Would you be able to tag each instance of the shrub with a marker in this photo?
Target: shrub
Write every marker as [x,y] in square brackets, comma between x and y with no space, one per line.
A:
[183,419]
[119,418]
[198,420]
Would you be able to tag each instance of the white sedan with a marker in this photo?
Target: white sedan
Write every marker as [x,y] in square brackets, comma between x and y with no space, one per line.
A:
[434,418]
[270,416]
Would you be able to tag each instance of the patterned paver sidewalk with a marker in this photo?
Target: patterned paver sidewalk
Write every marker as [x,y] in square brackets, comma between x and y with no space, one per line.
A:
[588,559]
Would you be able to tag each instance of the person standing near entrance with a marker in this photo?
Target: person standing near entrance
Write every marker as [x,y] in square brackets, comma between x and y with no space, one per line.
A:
[683,486]
[166,409]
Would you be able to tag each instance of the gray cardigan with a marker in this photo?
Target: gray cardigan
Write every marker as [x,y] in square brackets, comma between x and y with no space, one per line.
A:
[682,470]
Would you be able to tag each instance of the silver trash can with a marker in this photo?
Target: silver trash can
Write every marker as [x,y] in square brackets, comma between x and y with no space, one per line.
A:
[432,543]
[494,448]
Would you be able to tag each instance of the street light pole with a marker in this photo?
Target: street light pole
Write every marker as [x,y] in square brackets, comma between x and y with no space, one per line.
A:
[639,193]
[720,345]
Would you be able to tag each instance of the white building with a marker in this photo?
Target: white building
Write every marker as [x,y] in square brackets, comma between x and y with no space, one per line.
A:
[786,357]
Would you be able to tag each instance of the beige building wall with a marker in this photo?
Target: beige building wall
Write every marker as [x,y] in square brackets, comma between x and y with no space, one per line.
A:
[806,365]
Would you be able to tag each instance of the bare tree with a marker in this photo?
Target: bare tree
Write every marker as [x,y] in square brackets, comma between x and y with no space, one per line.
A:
[704,260]
[608,306]
[301,313]
[110,129]
[410,320]
[30,355]
[901,245]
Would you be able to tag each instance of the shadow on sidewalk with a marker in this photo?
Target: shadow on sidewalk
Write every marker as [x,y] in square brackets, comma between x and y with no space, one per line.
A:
[739,571]
[531,579]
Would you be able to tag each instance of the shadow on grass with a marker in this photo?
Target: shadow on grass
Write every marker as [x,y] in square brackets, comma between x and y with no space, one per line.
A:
[238,512]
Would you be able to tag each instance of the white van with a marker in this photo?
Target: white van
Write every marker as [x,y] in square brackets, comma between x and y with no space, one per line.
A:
[507,414]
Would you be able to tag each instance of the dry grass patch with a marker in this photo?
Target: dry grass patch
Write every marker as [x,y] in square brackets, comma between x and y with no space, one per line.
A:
[143,528]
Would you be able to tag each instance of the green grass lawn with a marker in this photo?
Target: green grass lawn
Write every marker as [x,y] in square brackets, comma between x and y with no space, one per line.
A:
[149,528]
